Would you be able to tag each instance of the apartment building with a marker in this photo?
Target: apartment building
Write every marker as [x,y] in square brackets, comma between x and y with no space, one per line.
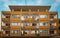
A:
[29,21]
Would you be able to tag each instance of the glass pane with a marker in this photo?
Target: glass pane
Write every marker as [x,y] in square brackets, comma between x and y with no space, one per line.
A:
[15,16]
[43,16]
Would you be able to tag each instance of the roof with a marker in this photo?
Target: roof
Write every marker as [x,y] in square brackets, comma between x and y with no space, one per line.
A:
[29,7]
[6,12]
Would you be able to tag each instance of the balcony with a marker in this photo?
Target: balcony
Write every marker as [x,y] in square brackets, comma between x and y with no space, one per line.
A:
[32,19]
[53,16]
[26,19]
[29,35]
[4,19]
[15,34]
[53,27]
[6,12]
[44,35]
[4,35]
[15,19]
[36,35]
[44,27]
[53,32]
[4,27]
[15,27]
[29,27]
[29,19]
[44,19]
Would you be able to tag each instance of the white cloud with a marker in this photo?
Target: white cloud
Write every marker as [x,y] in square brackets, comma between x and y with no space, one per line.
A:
[9,2]
[56,3]
[39,2]
[12,2]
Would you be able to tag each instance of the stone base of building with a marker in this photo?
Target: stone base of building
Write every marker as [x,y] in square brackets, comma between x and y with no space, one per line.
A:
[26,37]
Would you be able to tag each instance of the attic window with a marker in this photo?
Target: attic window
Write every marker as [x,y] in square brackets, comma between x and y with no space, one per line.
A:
[25,10]
[17,10]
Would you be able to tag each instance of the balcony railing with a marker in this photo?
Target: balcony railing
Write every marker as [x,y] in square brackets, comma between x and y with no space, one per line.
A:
[52,27]
[53,16]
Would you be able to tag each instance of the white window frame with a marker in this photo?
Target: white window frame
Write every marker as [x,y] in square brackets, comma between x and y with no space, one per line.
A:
[15,23]
[41,24]
[43,16]
[54,24]
[26,24]
[34,16]
[15,31]
[25,16]
[43,31]
[15,16]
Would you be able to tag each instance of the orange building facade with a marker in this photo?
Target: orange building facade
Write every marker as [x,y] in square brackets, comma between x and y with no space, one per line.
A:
[29,21]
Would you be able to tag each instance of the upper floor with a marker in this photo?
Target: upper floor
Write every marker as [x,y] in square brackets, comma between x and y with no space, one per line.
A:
[29,8]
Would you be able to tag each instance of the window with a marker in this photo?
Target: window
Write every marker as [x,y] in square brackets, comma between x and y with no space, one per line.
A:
[26,32]
[34,24]
[7,32]
[15,24]
[16,9]
[53,23]
[7,24]
[32,32]
[3,16]
[55,16]
[3,32]
[26,16]
[43,16]
[25,24]
[15,16]
[25,9]
[34,16]
[3,24]
[15,31]
[43,31]
[37,26]
[43,23]
[53,32]
[7,16]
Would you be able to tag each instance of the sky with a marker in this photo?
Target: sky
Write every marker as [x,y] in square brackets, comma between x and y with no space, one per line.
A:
[55,4]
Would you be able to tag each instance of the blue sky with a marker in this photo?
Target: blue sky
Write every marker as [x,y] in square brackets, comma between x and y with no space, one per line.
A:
[55,4]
